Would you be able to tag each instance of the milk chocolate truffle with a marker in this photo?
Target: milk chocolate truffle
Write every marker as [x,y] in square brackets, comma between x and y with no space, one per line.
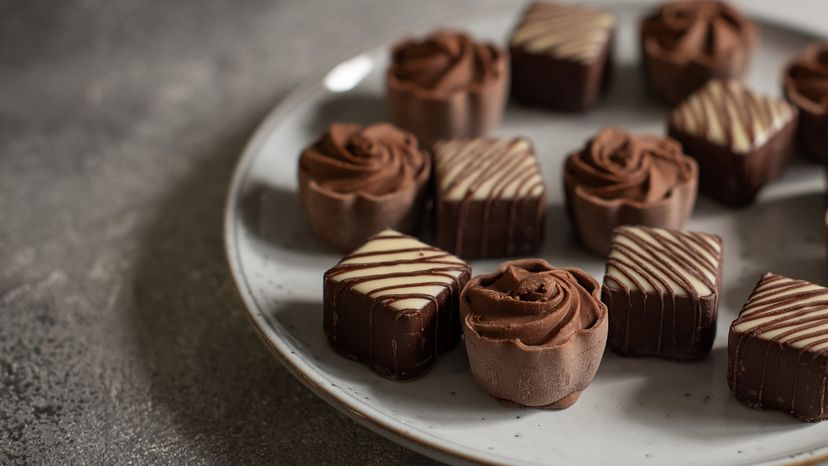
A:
[741,139]
[684,44]
[535,334]
[662,291]
[490,197]
[355,181]
[778,348]
[447,86]
[806,86]
[561,56]
[621,179]
[393,304]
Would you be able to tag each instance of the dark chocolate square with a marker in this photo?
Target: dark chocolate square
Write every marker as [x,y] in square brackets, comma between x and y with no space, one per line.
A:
[393,304]
[777,348]
[662,290]
[561,55]
[741,139]
[491,198]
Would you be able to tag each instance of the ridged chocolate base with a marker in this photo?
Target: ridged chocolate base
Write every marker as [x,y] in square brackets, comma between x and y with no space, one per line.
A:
[397,345]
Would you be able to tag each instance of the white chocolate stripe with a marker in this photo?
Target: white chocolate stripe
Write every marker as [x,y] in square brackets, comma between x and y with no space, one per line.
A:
[793,312]
[488,169]
[726,113]
[664,261]
[565,31]
[409,274]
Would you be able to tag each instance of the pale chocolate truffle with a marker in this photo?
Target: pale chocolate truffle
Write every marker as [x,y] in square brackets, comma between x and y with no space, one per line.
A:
[355,181]
[447,85]
[534,333]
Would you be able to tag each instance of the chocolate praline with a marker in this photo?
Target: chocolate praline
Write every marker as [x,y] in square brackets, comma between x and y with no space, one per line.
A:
[393,304]
[778,348]
[741,139]
[805,84]
[621,179]
[662,290]
[447,85]
[535,334]
[686,43]
[561,55]
[355,181]
[490,197]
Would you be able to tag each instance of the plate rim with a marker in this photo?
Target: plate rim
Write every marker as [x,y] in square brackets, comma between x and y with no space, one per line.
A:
[431,446]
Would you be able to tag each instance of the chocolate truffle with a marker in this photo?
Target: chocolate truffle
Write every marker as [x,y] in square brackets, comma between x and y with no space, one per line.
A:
[684,44]
[621,179]
[393,304]
[535,334]
[740,139]
[561,55]
[806,86]
[662,291]
[778,348]
[447,86]
[355,181]
[490,197]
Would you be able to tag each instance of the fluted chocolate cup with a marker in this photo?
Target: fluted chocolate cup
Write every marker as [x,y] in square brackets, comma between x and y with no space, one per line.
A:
[447,86]
[621,179]
[534,334]
[805,84]
[355,182]
[686,43]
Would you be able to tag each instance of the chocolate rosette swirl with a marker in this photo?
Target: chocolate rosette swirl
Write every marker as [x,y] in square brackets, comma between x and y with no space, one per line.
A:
[806,86]
[355,181]
[687,43]
[535,334]
[447,86]
[621,179]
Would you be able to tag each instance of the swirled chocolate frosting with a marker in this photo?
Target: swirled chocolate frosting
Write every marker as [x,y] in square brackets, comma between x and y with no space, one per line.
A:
[447,85]
[535,334]
[356,181]
[687,43]
[620,179]
[806,86]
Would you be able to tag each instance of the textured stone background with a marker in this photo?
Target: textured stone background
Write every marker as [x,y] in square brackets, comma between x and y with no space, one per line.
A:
[122,339]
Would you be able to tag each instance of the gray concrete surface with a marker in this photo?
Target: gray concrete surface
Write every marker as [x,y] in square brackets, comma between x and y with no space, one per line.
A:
[122,339]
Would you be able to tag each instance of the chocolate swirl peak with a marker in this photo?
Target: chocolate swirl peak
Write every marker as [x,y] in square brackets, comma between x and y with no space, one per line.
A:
[642,170]
[447,85]
[621,179]
[373,161]
[686,43]
[806,86]
[444,63]
[355,181]
[534,333]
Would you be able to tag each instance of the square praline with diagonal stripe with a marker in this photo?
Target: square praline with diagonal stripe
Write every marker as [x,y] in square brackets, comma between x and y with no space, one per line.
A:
[778,348]
[662,290]
[490,197]
[393,304]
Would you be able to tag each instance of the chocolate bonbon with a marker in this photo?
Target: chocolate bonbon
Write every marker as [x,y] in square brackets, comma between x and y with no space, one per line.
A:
[622,179]
[778,348]
[805,84]
[447,85]
[355,181]
[393,304]
[662,290]
[534,334]
[684,44]
[490,197]
[740,139]
[561,55]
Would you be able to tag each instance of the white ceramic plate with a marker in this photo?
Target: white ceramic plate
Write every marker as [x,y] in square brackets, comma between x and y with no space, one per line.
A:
[637,411]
